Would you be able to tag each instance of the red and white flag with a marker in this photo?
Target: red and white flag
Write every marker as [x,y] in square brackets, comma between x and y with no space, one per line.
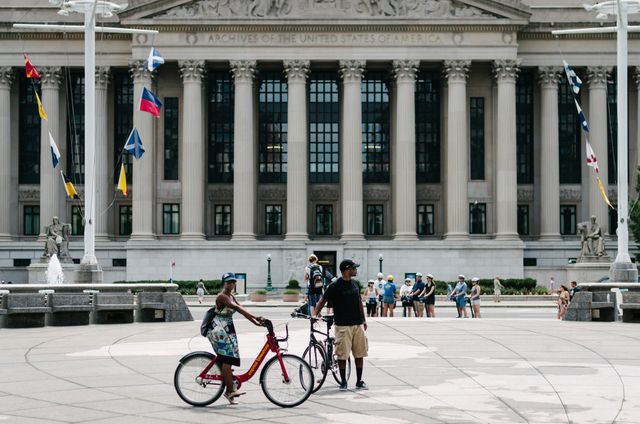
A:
[591,158]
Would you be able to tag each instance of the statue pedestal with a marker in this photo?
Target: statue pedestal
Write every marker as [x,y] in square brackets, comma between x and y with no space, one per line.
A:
[88,274]
[588,272]
[38,272]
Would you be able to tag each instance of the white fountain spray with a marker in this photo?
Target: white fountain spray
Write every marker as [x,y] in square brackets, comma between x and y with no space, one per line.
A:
[55,275]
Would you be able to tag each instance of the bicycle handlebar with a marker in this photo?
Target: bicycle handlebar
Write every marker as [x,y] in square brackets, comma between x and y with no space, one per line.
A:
[269,326]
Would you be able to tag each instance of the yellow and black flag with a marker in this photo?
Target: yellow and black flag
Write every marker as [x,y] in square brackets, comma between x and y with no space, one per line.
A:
[68,186]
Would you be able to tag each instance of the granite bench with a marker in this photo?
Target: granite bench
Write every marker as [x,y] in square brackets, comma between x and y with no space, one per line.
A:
[630,307]
[69,309]
[604,303]
[3,310]
[163,307]
[113,308]
[25,310]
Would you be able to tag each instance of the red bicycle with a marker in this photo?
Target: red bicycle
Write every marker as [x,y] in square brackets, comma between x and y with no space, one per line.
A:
[286,380]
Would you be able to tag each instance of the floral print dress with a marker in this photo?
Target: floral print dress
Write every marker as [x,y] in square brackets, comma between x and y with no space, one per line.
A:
[223,337]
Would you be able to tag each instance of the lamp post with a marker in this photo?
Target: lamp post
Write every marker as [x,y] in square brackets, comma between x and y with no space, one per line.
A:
[380,259]
[269,285]
[622,269]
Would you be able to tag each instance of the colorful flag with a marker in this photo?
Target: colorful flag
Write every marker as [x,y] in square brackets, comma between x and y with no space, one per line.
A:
[134,144]
[55,153]
[582,117]
[592,161]
[122,181]
[604,194]
[150,103]
[41,112]
[154,60]
[29,69]
[574,81]
[68,186]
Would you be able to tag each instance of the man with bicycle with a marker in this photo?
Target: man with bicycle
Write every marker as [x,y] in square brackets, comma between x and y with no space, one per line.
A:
[344,296]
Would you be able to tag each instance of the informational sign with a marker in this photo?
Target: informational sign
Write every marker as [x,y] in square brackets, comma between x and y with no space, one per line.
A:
[411,275]
[241,283]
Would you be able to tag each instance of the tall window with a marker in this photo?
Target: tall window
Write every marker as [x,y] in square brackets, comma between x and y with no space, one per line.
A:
[375,220]
[523,220]
[77,223]
[29,132]
[222,220]
[75,126]
[476,133]
[123,120]
[221,104]
[567,219]
[272,128]
[524,127]
[171,148]
[375,127]
[324,128]
[569,135]
[125,219]
[478,218]
[425,220]
[170,218]
[324,220]
[31,220]
[273,220]
[428,127]
[612,129]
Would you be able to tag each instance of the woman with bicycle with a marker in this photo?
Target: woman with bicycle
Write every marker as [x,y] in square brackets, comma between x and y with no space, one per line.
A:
[223,336]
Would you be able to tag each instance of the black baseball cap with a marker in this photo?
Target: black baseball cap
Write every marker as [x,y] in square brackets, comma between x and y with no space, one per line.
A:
[347,264]
[228,277]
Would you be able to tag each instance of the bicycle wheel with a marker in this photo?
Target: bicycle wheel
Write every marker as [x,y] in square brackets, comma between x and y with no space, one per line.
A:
[287,394]
[314,355]
[189,387]
[336,371]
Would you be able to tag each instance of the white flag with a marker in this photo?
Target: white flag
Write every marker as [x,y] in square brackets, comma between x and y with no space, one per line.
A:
[591,157]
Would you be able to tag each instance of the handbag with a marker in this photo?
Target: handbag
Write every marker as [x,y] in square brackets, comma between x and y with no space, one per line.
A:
[207,321]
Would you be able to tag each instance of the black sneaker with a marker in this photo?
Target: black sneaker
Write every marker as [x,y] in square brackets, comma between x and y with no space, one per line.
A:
[343,387]
[361,385]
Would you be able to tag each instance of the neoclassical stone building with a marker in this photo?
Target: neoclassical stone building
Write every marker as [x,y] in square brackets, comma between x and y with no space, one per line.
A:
[440,134]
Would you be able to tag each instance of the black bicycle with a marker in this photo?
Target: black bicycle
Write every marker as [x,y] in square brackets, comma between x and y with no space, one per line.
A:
[320,354]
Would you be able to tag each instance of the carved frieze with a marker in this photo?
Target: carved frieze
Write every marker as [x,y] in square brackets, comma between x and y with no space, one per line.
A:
[525,194]
[297,70]
[243,70]
[377,193]
[273,193]
[428,192]
[29,194]
[349,9]
[221,193]
[506,70]
[191,70]
[6,75]
[570,194]
[324,193]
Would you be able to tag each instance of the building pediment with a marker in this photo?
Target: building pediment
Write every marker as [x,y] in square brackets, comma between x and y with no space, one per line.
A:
[315,11]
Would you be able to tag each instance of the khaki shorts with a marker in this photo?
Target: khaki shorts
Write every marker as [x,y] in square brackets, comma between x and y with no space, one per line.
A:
[351,339]
[418,305]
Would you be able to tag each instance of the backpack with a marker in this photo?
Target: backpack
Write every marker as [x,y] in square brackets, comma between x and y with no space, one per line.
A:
[313,271]
[207,321]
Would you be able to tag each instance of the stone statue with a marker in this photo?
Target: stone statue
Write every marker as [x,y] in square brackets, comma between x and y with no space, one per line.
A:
[592,241]
[57,240]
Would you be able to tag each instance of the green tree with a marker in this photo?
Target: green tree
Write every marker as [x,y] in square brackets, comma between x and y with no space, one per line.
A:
[634,214]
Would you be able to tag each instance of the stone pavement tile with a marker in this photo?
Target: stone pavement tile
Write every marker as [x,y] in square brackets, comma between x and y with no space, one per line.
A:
[129,406]
[206,415]
[76,397]
[20,372]
[12,403]
[67,413]
[100,381]
[134,419]
[23,420]
[82,368]
[38,385]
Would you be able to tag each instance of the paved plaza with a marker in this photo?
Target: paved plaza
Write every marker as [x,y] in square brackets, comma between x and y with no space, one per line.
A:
[512,366]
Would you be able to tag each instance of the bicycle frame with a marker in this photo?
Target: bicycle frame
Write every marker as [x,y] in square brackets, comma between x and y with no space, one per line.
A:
[270,345]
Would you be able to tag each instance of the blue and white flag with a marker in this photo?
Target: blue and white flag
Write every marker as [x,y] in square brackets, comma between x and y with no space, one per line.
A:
[154,60]
[134,144]
[574,81]
[55,153]
[582,117]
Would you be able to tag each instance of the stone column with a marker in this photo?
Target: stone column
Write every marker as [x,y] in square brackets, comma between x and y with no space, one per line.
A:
[297,142]
[192,159]
[51,191]
[404,158]
[548,77]
[144,168]
[104,184]
[351,185]
[636,77]
[6,79]
[505,72]
[598,138]
[245,179]
[457,150]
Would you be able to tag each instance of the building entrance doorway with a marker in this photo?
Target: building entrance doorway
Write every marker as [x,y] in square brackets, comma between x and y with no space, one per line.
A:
[328,261]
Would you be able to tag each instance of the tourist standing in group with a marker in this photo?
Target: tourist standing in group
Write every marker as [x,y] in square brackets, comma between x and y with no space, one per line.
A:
[459,295]
[430,297]
[344,295]
[574,289]
[201,291]
[371,299]
[379,283]
[405,298]
[416,295]
[389,297]
[314,286]
[563,300]
[497,289]
[475,296]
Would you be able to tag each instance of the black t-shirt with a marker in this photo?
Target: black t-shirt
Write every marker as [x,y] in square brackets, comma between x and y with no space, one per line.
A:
[431,296]
[344,297]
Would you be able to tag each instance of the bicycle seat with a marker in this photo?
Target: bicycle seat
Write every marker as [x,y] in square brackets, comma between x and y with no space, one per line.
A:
[329,319]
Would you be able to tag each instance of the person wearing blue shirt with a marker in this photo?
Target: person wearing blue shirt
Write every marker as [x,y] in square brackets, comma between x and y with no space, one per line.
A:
[460,294]
[416,293]
[388,297]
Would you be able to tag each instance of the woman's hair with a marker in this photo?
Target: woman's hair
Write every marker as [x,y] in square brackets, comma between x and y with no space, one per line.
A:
[563,287]
[313,258]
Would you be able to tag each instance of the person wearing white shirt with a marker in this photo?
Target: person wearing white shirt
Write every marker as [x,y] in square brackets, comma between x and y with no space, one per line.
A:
[405,297]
